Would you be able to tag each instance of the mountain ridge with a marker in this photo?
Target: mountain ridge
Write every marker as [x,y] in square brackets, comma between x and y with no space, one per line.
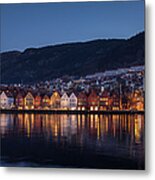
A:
[78,58]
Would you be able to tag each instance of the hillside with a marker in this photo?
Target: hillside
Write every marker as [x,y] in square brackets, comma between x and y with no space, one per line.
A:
[39,64]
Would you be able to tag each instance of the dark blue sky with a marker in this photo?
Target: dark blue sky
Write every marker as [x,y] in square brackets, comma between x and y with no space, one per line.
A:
[36,25]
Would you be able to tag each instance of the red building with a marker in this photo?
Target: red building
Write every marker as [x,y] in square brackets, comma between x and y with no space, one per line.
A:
[82,101]
[45,104]
[93,101]
[19,101]
[37,102]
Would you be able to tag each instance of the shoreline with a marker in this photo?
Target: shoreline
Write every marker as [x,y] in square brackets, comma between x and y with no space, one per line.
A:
[14,111]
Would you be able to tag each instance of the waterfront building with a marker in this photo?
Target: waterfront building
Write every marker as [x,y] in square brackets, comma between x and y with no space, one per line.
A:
[55,100]
[104,101]
[6,100]
[37,102]
[93,101]
[82,101]
[137,100]
[45,102]
[3,100]
[115,102]
[29,101]
[10,104]
[19,101]
[65,101]
[73,102]
[126,101]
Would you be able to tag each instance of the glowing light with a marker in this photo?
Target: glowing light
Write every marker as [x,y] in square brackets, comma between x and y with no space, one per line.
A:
[91,108]
[83,108]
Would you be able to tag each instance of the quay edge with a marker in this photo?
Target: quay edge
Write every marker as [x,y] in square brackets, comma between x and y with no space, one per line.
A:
[13,111]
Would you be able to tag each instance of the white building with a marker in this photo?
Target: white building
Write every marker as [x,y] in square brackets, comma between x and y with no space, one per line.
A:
[73,102]
[64,102]
[6,101]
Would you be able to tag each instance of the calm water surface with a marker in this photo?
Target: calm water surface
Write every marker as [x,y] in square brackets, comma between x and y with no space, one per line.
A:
[77,141]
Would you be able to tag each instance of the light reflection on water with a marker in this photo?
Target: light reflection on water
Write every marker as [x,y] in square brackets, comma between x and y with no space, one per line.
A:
[120,136]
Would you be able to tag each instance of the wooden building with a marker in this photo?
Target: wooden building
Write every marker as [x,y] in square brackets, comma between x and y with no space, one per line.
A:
[82,103]
[45,104]
[137,100]
[55,100]
[29,101]
[6,100]
[104,101]
[115,102]
[64,101]
[73,102]
[37,102]
[93,101]
[19,101]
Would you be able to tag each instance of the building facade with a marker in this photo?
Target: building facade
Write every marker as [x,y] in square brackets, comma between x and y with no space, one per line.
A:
[6,101]
[29,101]
[73,102]
[93,101]
[45,102]
[104,103]
[55,100]
[82,101]
[19,102]
[65,101]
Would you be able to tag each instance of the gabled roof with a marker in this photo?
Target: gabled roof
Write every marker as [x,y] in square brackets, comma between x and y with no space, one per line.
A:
[56,92]
[3,93]
[73,94]
[64,95]
[29,92]
[7,94]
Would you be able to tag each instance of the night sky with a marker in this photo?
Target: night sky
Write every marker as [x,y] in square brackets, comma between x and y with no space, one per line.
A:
[35,25]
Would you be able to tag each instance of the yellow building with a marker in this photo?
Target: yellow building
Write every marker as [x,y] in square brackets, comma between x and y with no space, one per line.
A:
[55,100]
[29,101]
